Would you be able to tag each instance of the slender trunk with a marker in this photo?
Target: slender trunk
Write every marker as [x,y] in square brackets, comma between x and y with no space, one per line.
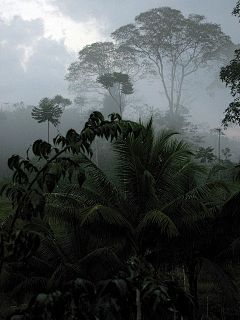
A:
[120,102]
[207,306]
[184,279]
[175,315]
[138,303]
[48,131]
[219,158]
[1,264]
[172,91]
[171,109]
[180,91]
[161,74]
[120,109]
[192,279]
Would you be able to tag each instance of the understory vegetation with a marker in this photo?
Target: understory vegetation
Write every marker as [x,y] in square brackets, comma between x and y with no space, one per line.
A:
[147,232]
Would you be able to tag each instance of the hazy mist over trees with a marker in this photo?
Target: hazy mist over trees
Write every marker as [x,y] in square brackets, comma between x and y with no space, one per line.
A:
[176,47]
[119,197]
[152,51]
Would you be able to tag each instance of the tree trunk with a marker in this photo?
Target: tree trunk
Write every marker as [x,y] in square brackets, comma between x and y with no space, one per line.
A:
[138,303]
[192,279]
[48,131]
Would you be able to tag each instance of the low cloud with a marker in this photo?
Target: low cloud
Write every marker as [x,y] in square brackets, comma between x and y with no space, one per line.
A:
[32,66]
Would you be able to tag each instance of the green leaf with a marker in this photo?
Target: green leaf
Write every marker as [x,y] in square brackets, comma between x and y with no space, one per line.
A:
[40,181]
[3,188]
[13,162]
[57,171]
[70,172]
[36,147]
[81,177]
[50,182]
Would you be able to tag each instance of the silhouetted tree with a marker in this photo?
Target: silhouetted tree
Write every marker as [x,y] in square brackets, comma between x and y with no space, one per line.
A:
[175,46]
[50,110]
[98,59]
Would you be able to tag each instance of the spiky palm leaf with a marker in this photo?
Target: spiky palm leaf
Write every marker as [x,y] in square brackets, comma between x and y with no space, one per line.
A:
[64,273]
[9,278]
[31,286]
[158,220]
[98,180]
[226,287]
[101,263]
[231,207]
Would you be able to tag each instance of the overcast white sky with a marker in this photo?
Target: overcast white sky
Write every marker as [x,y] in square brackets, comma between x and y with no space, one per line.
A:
[40,38]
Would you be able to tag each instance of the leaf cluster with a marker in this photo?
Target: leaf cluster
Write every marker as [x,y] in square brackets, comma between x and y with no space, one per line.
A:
[231,76]
[164,33]
[18,245]
[205,154]
[112,298]
[108,80]
[48,110]
[29,200]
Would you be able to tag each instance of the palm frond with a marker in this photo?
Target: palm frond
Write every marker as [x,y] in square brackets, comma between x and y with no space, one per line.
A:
[62,207]
[231,207]
[136,181]
[190,175]
[231,253]
[99,213]
[191,216]
[32,285]
[236,172]
[98,180]
[87,228]
[41,267]
[51,251]
[160,222]
[220,278]
[214,170]
[9,277]
[101,263]
[39,226]
[63,274]
[203,191]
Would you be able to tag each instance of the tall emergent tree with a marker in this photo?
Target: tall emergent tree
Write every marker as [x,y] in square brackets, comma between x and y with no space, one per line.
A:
[176,46]
[231,76]
[50,110]
[98,59]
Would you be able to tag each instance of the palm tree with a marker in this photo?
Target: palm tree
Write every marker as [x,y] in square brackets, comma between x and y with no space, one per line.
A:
[147,173]
[131,212]
[159,194]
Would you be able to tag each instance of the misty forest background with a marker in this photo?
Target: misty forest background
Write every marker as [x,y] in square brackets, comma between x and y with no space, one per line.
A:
[131,212]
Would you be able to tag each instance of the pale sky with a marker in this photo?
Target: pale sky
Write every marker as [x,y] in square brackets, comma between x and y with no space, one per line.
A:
[39,39]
